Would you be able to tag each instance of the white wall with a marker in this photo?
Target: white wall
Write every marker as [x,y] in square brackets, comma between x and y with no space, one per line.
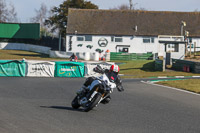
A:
[135,42]
[27,47]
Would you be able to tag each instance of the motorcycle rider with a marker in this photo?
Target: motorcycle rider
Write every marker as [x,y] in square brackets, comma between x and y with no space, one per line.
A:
[113,76]
[73,57]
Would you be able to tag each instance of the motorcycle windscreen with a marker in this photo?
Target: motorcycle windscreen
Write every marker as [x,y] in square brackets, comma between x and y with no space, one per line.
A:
[112,76]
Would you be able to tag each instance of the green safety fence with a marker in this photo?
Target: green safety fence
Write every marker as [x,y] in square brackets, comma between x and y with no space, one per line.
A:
[179,65]
[12,68]
[69,69]
[130,56]
[159,65]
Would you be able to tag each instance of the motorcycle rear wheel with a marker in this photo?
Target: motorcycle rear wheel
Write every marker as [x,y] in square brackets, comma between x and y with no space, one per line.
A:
[75,103]
[93,103]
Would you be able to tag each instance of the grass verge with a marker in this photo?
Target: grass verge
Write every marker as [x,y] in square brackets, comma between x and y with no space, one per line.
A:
[192,85]
[145,68]
[19,55]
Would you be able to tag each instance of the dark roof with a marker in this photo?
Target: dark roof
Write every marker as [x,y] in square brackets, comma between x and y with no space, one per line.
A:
[123,22]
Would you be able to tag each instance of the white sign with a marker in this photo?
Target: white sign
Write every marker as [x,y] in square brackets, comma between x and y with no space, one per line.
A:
[40,68]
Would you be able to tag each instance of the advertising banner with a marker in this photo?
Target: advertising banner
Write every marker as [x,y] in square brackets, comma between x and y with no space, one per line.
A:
[89,66]
[40,68]
[12,68]
[69,69]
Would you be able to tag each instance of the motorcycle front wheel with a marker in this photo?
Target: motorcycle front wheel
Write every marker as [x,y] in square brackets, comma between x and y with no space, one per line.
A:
[93,103]
[75,103]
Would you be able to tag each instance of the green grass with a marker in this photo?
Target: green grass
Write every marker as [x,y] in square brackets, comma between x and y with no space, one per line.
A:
[192,85]
[145,68]
[19,55]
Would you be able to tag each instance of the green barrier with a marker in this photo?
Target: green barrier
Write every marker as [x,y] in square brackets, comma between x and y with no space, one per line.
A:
[12,68]
[159,65]
[130,56]
[180,64]
[69,69]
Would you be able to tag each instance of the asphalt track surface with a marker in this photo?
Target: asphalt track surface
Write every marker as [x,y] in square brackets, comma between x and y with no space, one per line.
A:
[43,105]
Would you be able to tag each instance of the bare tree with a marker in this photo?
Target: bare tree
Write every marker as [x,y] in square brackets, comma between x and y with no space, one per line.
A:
[122,7]
[41,15]
[3,11]
[131,6]
[7,13]
[12,14]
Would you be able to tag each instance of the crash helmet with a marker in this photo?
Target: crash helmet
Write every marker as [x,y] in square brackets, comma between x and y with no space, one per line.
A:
[114,68]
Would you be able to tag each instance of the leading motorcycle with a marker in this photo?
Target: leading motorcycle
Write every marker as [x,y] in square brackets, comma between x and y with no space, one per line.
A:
[97,92]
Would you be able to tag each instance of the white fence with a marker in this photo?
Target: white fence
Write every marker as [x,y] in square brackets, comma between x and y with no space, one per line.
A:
[47,50]
[27,47]
[83,56]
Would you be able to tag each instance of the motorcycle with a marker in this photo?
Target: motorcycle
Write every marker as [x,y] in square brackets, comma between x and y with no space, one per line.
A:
[97,92]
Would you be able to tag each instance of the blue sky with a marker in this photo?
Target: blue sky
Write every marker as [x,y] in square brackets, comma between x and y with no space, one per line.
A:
[26,8]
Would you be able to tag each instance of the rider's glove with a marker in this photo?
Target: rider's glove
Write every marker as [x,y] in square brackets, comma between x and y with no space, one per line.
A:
[98,69]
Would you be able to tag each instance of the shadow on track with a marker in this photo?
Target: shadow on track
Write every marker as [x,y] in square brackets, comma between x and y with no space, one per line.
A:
[62,108]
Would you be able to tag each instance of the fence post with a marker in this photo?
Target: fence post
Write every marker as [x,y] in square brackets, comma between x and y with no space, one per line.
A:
[163,65]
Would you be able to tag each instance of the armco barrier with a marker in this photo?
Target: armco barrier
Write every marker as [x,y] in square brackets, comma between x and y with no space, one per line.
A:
[69,69]
[40,68]
[13,68]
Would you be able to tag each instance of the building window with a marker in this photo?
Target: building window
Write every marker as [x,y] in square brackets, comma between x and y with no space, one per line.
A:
[148,40]
[176,48]
[116,39]
[80,38]
[152,40]
[88,38]
[84,38]
[172,47]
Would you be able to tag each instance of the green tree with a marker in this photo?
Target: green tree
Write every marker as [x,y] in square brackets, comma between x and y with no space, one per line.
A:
[59,14]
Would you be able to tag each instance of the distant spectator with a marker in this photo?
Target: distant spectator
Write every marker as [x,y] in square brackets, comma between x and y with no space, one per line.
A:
[73,57]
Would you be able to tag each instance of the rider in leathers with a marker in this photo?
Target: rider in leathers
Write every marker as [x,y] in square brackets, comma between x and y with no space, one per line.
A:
[113,76]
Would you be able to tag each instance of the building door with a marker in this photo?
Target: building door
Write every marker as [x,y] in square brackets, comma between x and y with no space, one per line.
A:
[122,48]
[168,58]
[125,50]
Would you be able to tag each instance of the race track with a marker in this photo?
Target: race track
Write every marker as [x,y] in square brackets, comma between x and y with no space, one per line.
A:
[43,105]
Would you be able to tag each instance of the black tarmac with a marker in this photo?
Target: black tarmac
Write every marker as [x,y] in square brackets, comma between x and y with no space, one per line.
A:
[43,105]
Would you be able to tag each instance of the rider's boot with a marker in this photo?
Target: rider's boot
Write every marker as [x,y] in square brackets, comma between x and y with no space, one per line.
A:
[82,90]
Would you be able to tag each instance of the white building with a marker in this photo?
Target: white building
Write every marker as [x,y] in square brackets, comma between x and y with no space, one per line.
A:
[131,31]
